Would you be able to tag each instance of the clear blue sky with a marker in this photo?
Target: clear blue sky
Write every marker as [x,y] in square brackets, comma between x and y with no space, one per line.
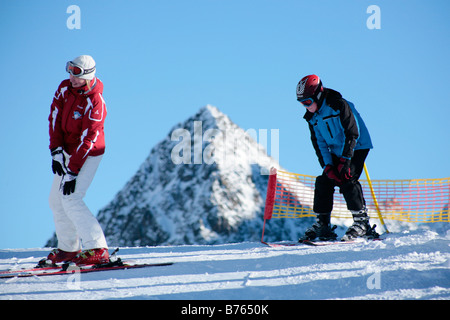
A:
[161,61]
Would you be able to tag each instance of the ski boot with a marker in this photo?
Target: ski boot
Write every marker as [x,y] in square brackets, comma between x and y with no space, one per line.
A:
[92,256]
[361,227]
[321,229]
[57,256]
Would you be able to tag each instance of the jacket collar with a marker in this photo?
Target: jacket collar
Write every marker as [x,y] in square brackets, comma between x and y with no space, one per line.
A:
[85,90]
[328,94]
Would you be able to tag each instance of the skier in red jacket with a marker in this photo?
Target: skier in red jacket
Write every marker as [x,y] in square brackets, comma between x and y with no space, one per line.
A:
[77,145]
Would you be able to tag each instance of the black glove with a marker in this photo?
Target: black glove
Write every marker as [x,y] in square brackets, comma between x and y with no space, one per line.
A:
[344,169]
[58,161]
[332,174]
[68,183]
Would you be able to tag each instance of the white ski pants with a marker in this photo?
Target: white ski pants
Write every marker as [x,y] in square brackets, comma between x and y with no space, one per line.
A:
[73,219]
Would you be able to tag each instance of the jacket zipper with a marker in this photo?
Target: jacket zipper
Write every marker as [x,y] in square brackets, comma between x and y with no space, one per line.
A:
[329,130]
[331,116]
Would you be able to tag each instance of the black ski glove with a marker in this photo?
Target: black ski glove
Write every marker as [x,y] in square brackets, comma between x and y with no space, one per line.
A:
[68,183]
[58,161]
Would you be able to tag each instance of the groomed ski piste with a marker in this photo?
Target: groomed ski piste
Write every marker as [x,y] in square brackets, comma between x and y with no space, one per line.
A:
[406,265]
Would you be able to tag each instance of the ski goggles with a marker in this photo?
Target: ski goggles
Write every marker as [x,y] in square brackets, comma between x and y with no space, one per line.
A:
[306,102]
[77,71]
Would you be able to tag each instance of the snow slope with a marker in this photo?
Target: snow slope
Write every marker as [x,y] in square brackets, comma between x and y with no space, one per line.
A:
[407,265]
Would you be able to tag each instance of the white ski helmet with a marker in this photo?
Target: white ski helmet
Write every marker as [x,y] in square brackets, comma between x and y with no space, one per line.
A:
[82,67]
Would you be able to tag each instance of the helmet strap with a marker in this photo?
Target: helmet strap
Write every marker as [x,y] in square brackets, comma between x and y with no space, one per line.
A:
[319,96]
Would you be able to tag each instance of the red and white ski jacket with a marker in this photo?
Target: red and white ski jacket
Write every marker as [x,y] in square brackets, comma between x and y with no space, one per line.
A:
[76,122]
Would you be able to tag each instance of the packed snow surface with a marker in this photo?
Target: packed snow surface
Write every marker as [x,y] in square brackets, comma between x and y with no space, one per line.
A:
[406,265]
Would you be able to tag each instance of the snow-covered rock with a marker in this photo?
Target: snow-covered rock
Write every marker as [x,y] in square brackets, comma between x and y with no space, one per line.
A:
[205,183]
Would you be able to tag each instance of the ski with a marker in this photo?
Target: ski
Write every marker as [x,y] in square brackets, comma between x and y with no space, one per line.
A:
[44,268]
[327,243]
[35,269]
[69,269]
[45,265]
[317,243]
[282,244]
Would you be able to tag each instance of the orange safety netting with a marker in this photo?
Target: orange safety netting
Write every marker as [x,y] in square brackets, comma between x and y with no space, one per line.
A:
[290,195]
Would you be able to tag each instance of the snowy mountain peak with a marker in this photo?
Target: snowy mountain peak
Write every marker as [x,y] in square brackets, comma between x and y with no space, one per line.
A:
[203,184]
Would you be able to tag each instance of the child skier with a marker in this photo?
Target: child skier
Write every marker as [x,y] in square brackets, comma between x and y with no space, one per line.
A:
[342,142]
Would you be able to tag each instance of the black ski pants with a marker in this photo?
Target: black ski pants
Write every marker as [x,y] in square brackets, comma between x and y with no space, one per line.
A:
[350,189]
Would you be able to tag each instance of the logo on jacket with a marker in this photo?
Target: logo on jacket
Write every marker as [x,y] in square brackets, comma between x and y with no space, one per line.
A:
[76,115]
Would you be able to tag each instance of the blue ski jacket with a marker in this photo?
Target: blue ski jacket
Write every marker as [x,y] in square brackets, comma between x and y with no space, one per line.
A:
[336,128]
